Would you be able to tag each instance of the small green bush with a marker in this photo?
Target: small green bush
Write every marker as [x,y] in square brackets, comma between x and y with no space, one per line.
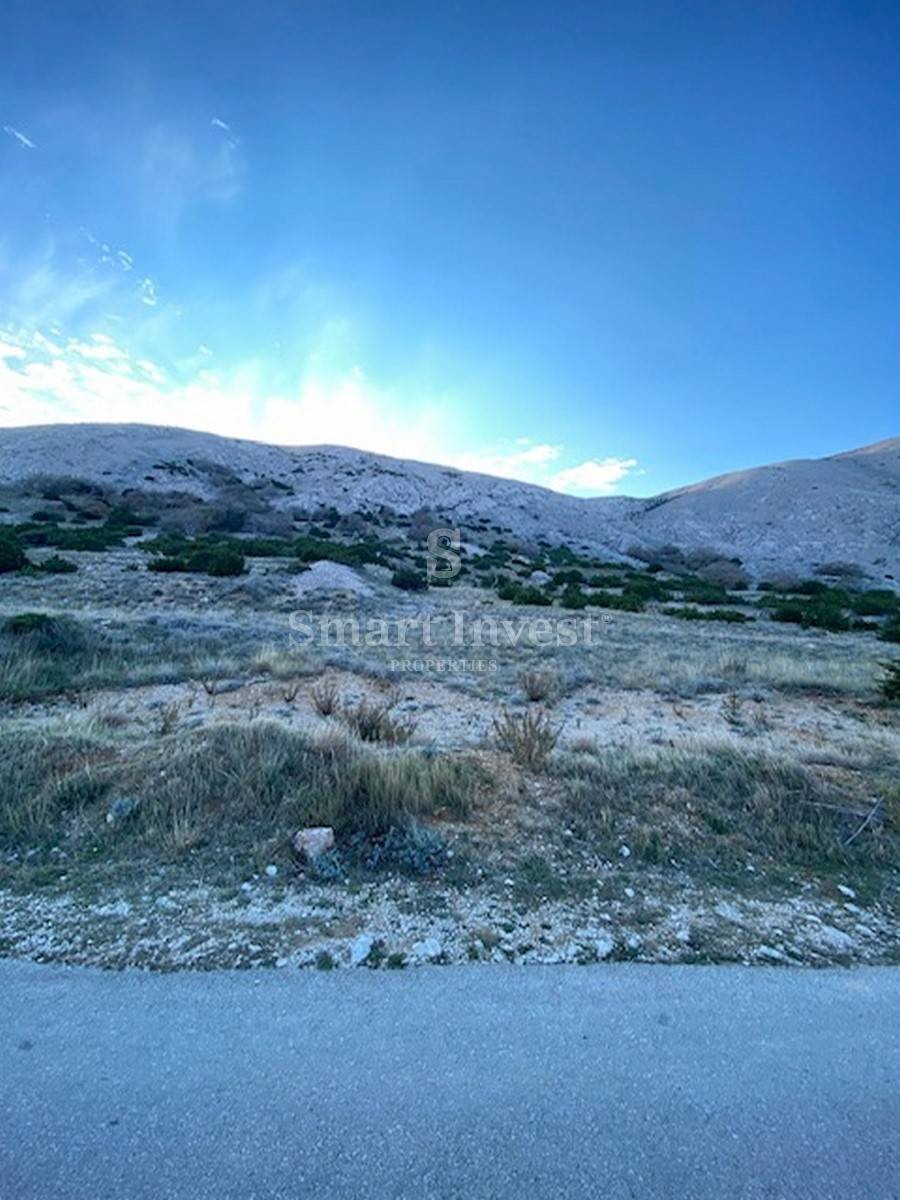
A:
[889,686]
[732,616]
[878,602]
[623,603]
[47,634]
[574,597]
[890,630]
[12,552]
[57,566]
[409,581]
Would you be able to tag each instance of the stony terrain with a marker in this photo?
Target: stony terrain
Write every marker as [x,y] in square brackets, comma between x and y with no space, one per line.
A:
[789,517]
[565,754]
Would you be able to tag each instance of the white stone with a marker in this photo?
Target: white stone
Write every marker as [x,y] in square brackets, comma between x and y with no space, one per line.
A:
[310,843]
[624,852]
[603,947]
[427,950]
[360,949]
[846,891]
[271,870]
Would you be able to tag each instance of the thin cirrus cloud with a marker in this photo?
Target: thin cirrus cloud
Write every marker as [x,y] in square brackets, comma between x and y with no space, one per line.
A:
[46,379]
[22,138]
[179,170]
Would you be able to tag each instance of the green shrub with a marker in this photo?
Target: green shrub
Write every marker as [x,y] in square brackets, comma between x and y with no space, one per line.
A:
[409,581]
[202,557]
[644,589]
[356,554]
[878,602]
[523,594]
[57,566]
[819,612]
[48,634]
[623,603]
[890,630]
[574,597]
[889,686]
[698,591]
[12,552]
[731,615]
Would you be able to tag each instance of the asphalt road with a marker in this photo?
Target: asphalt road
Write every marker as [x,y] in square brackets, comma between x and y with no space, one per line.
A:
[510,1083]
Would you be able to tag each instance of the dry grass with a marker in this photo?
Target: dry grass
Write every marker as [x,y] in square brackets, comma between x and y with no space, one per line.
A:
[540,684]
[325,696]
[228,786]
[720,803]
[527,737]
[375,721]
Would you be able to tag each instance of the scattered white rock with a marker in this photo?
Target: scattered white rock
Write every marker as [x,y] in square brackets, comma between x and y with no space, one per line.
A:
[603,947]
[312,842]
[624,852]
[846,891]
[629,892]
[831,938]
[360,949]
[772,953]
[427,950]
[271,870]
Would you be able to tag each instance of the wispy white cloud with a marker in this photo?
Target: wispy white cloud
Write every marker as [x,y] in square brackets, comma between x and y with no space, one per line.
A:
[48,379]
[595,477]
[22,138]
[147,293]
[179,171]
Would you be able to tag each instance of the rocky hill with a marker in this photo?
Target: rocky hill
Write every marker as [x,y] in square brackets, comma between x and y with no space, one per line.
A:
[789,517]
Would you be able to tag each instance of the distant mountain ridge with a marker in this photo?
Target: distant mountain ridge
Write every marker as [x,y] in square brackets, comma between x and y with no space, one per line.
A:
[786,517]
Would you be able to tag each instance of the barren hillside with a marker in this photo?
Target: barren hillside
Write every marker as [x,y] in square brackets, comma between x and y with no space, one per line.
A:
[791,516]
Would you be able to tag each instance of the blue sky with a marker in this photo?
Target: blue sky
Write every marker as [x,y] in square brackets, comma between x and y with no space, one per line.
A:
[601,246]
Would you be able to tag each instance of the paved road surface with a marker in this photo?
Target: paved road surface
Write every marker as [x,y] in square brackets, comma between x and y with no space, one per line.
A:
[670,1083]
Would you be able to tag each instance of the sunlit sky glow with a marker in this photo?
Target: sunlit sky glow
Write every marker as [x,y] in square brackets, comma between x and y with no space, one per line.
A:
[603,247]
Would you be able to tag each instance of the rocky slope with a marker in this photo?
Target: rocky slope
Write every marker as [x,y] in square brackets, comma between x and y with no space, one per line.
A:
[788,517]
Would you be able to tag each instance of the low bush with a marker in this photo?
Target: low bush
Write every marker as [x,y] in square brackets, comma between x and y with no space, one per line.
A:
[890,630]
[573,597]
[878,602]
[889,685]
[12,552]
[216,559]
[732,616]
[518,593]
[409,581]
[540,684]
[528,738]
[623,603]
[48,634]
[54,565]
